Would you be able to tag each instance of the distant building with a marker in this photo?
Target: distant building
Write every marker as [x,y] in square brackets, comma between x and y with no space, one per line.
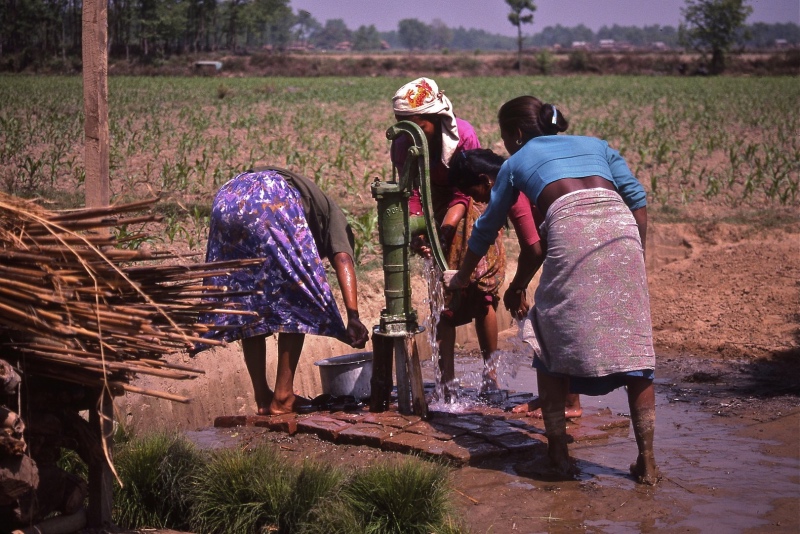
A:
[781,43]
[344,45]
[607,44]
[581,45]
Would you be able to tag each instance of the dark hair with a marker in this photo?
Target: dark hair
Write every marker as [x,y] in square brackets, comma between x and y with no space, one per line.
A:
[532,117]
[467,166]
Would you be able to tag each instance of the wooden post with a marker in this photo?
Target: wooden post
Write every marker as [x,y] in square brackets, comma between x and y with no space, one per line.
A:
[381,381]
[95,101]
[420,405]
[95,105]
[101,480]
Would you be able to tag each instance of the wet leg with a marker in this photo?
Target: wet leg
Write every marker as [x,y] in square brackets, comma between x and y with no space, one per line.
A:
[642,402]
[255,358]
[486,330]
[552,396]
[289,348]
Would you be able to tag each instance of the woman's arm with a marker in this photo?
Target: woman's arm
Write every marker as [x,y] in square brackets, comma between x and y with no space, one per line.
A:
[357,333]
[641,221]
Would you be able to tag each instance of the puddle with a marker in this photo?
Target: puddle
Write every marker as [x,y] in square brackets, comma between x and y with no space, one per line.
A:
[714,480]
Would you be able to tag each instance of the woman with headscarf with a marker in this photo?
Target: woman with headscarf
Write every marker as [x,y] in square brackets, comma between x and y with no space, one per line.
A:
[423,103]
[592,311]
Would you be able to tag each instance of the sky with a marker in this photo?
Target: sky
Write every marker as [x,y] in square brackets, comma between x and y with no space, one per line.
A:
[492,15]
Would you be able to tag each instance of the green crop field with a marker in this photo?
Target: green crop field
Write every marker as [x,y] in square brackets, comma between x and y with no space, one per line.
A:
[727,142]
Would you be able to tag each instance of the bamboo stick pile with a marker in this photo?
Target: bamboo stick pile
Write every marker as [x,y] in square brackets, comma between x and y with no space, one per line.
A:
[76,308]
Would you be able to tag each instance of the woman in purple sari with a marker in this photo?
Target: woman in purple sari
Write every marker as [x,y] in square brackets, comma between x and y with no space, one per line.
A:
[286,219]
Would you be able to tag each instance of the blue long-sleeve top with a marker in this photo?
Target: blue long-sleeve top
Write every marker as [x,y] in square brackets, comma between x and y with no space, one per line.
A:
[544,160]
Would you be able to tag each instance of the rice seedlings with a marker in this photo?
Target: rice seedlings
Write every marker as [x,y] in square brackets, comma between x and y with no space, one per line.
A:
[155,471]
[403,497]
[256,491]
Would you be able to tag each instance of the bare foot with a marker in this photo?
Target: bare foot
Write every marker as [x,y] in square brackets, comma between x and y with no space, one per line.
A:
[544,467]
[533,408]
[558,454]
[262,405]
[645,470]
[293,404]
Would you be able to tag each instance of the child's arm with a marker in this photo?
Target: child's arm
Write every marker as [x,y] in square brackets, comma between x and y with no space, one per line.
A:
[454,214]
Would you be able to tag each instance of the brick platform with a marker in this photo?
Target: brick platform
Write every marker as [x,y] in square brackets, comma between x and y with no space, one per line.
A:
[463,438]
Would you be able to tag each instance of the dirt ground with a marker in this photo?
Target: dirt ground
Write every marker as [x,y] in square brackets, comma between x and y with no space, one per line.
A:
[725,304]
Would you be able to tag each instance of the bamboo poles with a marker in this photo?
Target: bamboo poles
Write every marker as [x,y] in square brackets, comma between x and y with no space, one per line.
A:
[76,309]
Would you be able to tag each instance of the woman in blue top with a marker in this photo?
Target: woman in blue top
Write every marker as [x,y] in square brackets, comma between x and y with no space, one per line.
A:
[592,307]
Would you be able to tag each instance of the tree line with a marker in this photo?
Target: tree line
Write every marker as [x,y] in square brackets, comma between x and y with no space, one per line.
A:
[40,31]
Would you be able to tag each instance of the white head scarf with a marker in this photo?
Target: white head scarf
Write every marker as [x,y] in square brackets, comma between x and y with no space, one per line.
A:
[423,97]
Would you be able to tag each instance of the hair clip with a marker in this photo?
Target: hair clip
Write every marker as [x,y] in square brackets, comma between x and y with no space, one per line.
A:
[555,115]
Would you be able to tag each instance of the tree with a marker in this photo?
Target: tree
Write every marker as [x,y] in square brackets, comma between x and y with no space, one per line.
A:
[334,32]
[713,25]
[518,19]
[441,35]
[306,26]
[366,38]
[414,34]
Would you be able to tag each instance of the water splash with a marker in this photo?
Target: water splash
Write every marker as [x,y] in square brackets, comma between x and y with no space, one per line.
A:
[464,393]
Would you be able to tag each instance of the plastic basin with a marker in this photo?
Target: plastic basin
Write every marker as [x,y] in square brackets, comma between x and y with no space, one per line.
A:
[347,375]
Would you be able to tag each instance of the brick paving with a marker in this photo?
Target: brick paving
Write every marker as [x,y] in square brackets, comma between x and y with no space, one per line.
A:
[466,438]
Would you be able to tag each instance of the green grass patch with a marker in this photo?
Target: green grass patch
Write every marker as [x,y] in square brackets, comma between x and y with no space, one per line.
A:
[156,473]
[168,483]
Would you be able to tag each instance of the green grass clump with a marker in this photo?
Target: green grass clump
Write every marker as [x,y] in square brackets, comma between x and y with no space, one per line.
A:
[156,472]
[257,491]
[402,497]
[168,483]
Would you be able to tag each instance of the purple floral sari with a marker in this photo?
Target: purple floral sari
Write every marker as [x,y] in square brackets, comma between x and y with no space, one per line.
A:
[259,215]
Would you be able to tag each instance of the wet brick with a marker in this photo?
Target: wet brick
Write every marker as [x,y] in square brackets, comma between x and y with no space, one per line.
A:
[581,433]
[368,434]
[494,430]
[347,417]
[604,420]
[406,442]
[279,423]
[471,449]
[518,441]
[439,431]
[323,426]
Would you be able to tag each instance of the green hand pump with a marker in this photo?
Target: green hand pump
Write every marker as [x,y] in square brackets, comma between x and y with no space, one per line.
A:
[398,324]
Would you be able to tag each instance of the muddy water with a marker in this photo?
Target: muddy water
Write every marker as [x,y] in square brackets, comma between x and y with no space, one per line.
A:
[715,480]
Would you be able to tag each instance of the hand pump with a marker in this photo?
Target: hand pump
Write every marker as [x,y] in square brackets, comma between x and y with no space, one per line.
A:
[398,324]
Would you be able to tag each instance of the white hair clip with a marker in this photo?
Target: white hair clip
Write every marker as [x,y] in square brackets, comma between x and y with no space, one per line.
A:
[555,115]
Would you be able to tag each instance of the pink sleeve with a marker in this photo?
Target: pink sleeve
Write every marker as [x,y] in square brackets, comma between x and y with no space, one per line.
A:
[467,138]
[521,217]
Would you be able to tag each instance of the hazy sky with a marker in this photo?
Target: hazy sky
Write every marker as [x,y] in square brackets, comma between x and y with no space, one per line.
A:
[492,15]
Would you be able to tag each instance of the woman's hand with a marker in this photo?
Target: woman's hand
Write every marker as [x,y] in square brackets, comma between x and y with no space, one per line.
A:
[516,302]
[419,245]
[357,333]
[453,280]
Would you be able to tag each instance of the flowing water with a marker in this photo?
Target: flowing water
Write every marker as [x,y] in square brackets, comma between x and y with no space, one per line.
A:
[471,386]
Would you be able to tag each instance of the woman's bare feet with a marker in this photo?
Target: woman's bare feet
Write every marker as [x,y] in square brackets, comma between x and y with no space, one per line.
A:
[645,470]
[533,408]
[293,404]
[262,404]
